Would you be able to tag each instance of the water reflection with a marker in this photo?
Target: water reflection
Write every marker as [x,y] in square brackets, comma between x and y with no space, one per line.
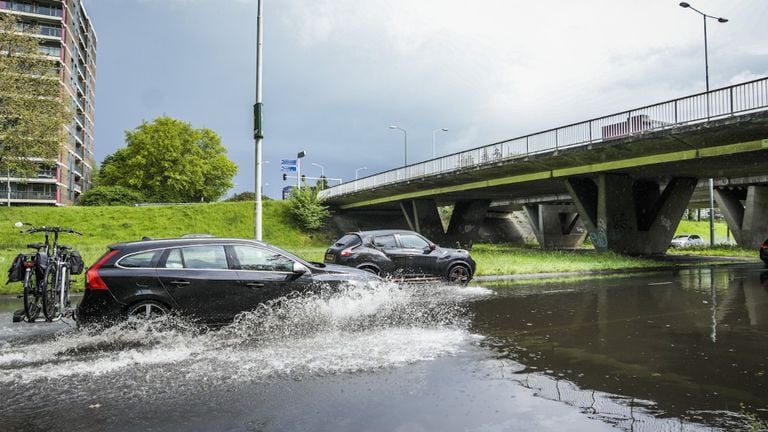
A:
[694,344]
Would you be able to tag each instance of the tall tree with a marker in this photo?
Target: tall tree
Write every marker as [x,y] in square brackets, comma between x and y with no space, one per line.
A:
[32,108]
[170,161]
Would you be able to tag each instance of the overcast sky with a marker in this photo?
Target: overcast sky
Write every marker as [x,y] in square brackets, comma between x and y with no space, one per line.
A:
[338,73]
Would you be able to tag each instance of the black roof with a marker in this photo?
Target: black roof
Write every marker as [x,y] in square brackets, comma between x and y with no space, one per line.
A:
[383,232]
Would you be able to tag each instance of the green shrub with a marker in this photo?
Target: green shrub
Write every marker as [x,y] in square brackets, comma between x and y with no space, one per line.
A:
[307,210]
[110,196]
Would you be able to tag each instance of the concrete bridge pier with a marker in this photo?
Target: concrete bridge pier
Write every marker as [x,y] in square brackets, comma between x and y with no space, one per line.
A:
[748,221]
[466,221]
[630,216]
[556,226]
[423,217]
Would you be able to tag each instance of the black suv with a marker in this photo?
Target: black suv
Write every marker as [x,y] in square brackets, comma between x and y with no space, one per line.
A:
[401,254]
[210,279]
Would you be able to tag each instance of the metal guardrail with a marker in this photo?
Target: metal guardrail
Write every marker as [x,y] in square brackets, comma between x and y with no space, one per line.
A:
[724,102]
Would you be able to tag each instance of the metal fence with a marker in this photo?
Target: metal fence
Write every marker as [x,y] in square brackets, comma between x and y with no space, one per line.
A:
[724,102]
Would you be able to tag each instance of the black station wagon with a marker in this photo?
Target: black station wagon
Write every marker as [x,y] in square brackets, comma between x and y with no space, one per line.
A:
[210,279]
[401,254]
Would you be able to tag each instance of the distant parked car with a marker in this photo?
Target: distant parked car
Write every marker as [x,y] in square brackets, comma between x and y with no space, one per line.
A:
[687,240]
[401,254]
[764,252]
[209,279]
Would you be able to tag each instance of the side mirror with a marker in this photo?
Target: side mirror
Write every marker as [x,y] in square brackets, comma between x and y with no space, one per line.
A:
[299,269]
[432,246]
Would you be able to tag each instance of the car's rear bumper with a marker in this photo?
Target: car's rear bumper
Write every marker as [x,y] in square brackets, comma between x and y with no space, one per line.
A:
[99,306]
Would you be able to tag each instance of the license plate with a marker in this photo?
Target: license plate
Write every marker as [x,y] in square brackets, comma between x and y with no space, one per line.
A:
[329,257]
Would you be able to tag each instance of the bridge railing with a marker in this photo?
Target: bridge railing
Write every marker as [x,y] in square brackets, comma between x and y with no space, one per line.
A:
[724,102]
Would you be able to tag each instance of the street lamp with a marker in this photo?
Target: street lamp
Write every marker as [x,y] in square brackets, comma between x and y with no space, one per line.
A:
[322,169]
[706,80]
[433,140]
[299,155]
[357,170]
[706,55]
[405,143]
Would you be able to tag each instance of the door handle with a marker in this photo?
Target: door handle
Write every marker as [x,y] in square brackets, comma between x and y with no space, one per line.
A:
[179,282]
[254,285]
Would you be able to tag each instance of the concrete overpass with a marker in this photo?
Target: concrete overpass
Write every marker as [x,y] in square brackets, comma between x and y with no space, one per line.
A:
[626,178]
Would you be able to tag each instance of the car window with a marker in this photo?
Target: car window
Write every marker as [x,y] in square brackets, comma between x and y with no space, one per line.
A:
[174,259]
[348,240]
[208,257]
[258,259]
[385,241]
[410,241]
[695,237]
[139,260]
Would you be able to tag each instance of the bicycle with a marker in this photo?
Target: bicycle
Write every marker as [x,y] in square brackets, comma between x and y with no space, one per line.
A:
[54,267]
[26,269]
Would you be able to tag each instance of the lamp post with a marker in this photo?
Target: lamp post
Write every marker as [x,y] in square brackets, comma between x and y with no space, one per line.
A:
[322,169]
[405,143]
[258,132]
[706,81]
[706,55]
[433,140]
[299,155]
[357,170]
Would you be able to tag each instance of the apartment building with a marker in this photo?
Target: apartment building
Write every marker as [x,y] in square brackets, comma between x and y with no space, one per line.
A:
[66,34]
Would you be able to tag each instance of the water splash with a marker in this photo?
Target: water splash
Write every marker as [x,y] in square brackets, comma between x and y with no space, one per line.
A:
[361,327]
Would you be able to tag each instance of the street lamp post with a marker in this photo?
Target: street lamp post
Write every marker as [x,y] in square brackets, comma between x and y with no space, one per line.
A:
[322,169]
[258,132]
[405,143]
[706,55]
[706,81]
[357,170]
[299,155]
[434,155]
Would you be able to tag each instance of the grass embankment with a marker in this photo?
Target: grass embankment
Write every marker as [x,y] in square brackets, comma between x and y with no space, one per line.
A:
[725,245]
[505,259]
[102,226]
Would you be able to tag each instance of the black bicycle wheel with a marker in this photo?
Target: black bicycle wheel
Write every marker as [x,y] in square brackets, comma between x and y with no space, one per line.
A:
[31,297]
[50,297]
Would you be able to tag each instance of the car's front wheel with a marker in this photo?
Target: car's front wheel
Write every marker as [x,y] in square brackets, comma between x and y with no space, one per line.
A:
[147,309]
[460,274]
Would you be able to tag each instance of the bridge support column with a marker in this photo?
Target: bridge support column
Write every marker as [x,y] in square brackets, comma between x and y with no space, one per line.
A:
[423,217]
[630,216]
[466,221]
[556,226]
[749,221]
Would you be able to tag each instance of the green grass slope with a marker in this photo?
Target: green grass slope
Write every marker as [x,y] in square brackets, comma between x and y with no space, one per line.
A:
[102,226]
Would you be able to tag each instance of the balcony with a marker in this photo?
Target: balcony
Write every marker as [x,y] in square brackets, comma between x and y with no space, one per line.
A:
[29,197]
[32,9]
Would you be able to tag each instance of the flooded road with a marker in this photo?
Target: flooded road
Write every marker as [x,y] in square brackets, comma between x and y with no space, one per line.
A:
[660,351]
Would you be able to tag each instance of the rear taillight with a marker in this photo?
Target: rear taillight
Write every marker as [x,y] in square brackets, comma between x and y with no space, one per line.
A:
[346,252]
[764,246]
[92,279]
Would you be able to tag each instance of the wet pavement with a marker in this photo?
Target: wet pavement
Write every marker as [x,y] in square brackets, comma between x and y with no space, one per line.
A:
[671,350]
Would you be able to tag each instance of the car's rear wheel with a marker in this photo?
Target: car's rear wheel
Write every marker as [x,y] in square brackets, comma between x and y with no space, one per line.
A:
[147,309]
[460,274]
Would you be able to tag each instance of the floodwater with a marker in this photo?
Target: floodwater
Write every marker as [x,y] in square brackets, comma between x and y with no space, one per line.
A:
[669,351]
